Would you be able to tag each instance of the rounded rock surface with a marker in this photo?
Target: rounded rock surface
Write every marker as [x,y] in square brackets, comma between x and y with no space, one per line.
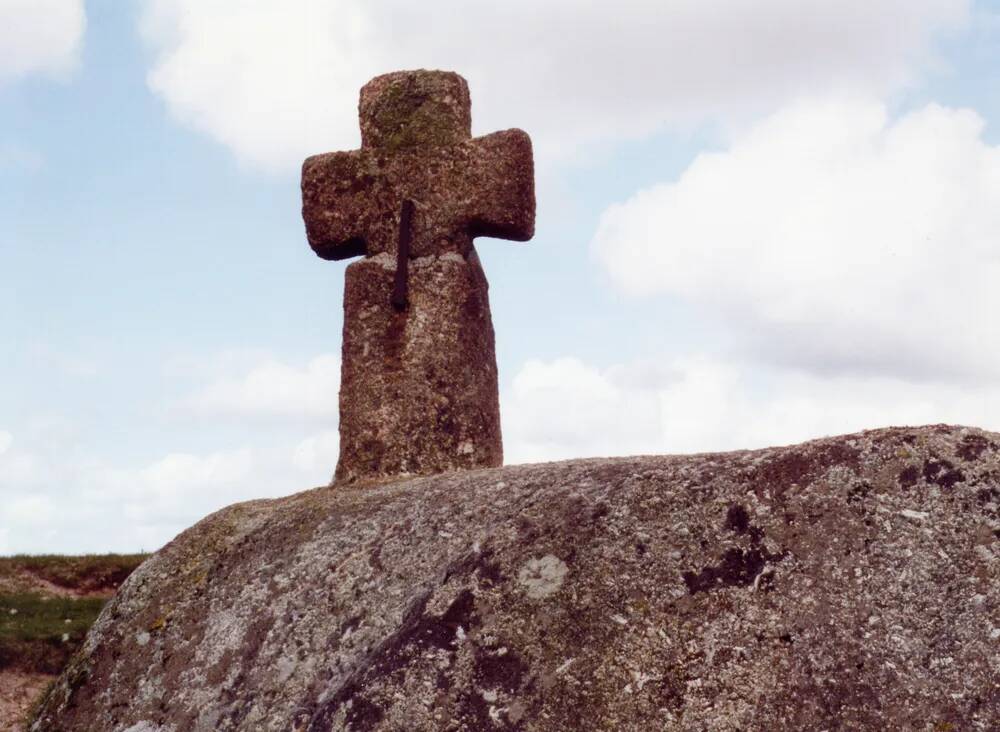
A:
[845,583]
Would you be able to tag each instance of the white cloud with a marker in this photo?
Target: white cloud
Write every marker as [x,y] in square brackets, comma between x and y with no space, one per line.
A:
[274,389]
[317,455]
[65,503]
[171,493]
[565,408]
[58,495]
[277,80]
[832,238]
[181,487]
[40,36]
[183,469]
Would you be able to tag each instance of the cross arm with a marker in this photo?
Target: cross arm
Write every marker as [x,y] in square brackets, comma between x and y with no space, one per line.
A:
[502,186]
[336,203]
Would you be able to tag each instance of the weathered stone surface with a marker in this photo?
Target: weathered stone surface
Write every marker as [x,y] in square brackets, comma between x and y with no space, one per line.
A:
[418,389]
[417,146]
[847,583]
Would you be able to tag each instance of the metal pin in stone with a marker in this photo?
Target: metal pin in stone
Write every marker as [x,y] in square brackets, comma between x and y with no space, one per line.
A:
[400,284]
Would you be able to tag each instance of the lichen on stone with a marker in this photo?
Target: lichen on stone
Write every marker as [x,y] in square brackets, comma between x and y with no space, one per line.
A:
[542,577]
[419,392]
[803,587]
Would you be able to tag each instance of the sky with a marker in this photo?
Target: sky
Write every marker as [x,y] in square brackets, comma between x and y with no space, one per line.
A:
[759,222]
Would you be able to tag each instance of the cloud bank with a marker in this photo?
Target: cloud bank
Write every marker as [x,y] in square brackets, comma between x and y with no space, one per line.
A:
[276,80]
[57,500]
[832,238]
[566,408]
[40,37]
[272,389]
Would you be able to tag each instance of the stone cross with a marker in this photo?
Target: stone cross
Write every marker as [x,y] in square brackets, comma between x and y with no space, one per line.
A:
[418,392]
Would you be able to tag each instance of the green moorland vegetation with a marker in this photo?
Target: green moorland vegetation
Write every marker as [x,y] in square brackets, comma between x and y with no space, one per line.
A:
[47,604]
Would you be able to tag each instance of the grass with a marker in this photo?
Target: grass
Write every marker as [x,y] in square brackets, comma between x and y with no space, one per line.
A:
[39,633]
[85,573]
[40,630]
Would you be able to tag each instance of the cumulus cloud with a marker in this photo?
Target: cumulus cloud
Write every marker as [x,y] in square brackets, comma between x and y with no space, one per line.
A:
[276,80]
[566,408]
[40,36]
[317,455]
[61,496]
[172,492]
[62,500]
[273,389]
[67,503]
[833,238]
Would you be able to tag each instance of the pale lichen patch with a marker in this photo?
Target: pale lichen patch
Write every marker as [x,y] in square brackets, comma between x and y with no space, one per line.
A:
[543,577]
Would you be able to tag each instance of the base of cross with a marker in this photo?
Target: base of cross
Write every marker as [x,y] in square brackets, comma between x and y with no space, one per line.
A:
[418,390]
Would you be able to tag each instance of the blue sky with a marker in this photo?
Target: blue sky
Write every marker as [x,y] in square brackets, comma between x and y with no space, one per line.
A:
[757,223]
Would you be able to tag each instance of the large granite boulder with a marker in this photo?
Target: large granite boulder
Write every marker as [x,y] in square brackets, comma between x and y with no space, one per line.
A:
[846,583]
